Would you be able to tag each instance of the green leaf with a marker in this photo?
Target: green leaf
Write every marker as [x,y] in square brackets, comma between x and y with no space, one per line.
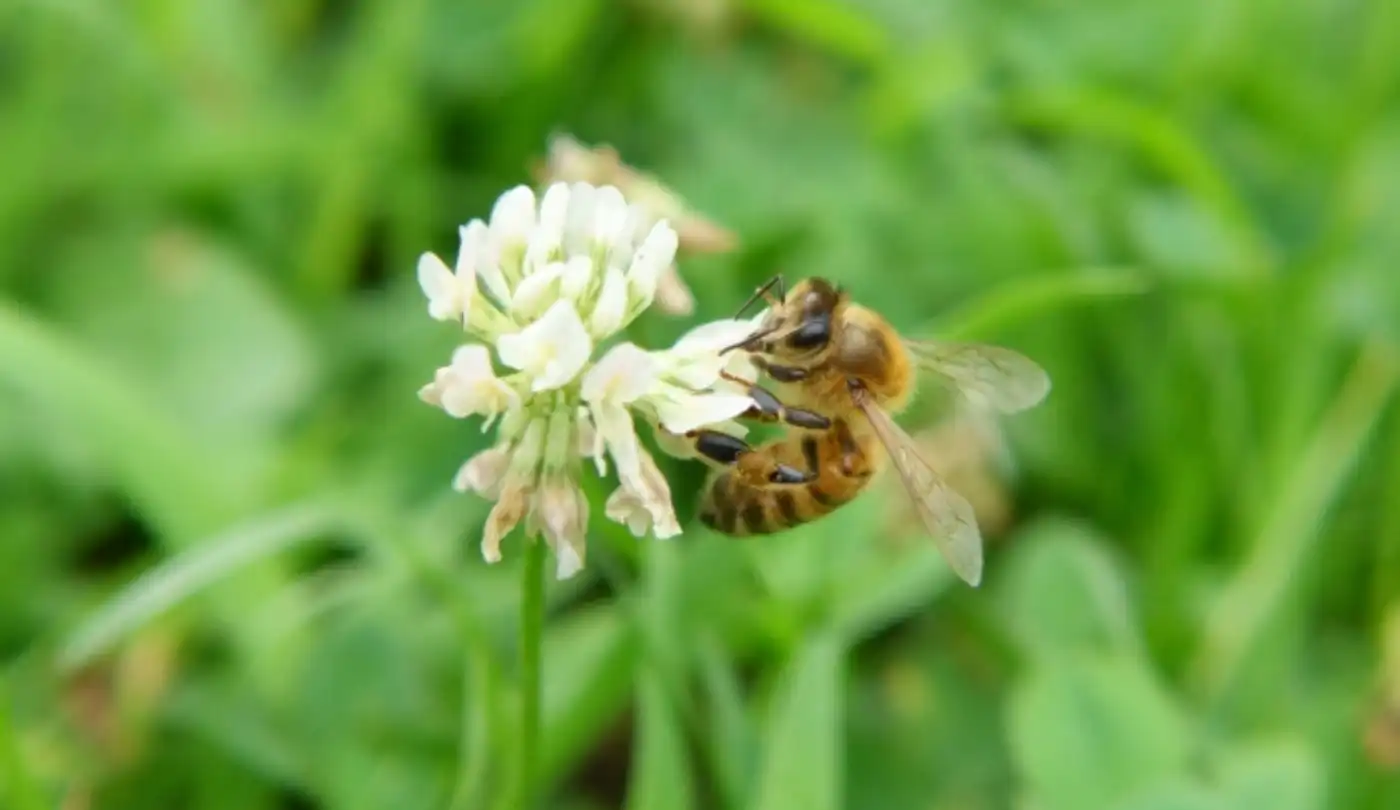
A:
[802,745]
[827,569]
[1178,794]
[1174,234]
[1280,775]
[1089,730]
[887,588]
[660,777]
[220,715]
[153,459]
[190,319]
[1062,593]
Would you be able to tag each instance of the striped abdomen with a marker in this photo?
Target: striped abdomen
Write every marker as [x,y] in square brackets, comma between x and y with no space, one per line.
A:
[736,506]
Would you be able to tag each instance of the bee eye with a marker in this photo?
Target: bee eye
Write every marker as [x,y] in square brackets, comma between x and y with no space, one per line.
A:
[811,334]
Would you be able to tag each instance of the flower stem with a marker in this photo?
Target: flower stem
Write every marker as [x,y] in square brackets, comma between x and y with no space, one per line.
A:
[531,638]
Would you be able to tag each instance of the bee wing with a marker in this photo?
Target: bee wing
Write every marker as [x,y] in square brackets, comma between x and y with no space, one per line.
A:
[945,514]
[996,377]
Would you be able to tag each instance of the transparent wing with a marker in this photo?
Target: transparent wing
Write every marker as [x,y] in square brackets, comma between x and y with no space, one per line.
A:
[945,514]
[998,378]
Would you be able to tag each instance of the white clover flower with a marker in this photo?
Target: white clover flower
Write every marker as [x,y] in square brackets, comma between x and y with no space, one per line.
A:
[543,286]
[568,160]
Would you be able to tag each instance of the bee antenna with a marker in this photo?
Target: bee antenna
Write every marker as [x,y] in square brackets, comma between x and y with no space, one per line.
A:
[762,291]
[748,341]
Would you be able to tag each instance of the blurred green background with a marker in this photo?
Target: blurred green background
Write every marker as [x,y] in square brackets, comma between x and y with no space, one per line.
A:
[233,574]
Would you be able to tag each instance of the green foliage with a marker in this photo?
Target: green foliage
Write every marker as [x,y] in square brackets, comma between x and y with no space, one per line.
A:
[233,574]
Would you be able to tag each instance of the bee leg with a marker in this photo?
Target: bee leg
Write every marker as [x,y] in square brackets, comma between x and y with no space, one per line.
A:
[784,374]
[730,450]
[768,408]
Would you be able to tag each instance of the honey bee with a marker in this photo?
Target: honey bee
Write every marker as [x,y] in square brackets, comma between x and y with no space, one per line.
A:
[841,373]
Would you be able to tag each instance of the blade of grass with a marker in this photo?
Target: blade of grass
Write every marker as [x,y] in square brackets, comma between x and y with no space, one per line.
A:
[802,745]
[1291,530]
[17,784]
[186,574]
[473,761]
[365,123]
[729,731]
[660,777]
[1385,570]
[836,27]
[1158,137]
[487,697]
[1018,301]
[657,612]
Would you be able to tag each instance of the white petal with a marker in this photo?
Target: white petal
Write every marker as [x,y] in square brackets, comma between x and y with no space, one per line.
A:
[635,226]
[470,385]
[652,258]
[683,413]
[569,562]
[503,517]
[578,225]
[537,291]
[547,239]
[625,506]
[441,288]
[471,362]
[674,445]
[695,361]
[554,208]
[513,216]
[552,350]
[609,216]
[575,278]
[612,304]
[713,336]
[483,472]
[488,268]
[621,376]
[656,496]
[740,365]
[614,424]
[700,373]
[590,441]
[562,512]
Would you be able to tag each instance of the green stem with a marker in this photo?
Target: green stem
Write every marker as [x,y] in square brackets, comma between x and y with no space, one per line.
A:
[531,636]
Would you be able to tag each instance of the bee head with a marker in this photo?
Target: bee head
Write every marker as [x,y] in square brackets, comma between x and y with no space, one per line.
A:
[800,326]
[810,308]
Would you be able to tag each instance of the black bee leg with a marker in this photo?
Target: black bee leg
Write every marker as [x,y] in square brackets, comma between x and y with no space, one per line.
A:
[768,408]
[728,450]
[783,374]
[720,447]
